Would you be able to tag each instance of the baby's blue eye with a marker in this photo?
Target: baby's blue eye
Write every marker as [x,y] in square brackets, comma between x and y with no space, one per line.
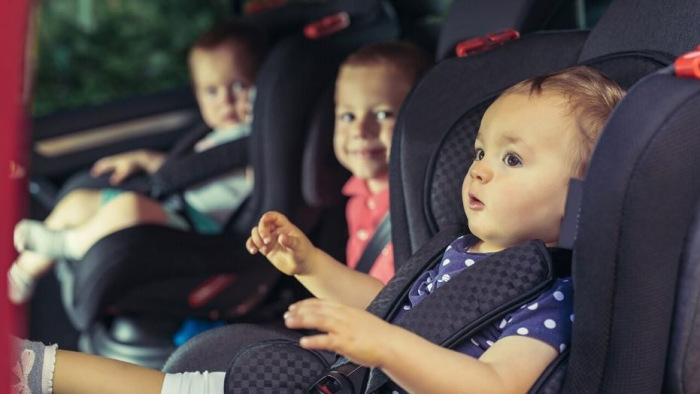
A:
[346,117]
[512,160]
[478,154]
[384,115]
[237,87]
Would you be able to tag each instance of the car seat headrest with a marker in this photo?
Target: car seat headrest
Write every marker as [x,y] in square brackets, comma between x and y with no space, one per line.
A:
[469,18]
[632,25]
[632,232]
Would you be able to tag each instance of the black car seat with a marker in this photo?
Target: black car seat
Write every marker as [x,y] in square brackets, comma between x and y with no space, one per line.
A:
[424,188]
[635,261]
[635,268]
[127,298]
[322,178]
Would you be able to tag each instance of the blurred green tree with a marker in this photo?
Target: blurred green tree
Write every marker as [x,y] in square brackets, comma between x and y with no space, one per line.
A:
[91,52]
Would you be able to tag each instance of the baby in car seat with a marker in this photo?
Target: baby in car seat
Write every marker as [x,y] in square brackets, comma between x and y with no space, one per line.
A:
[535,137]
[223,64]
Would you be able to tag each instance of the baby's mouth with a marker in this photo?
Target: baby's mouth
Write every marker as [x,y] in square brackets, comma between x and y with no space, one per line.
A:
[475,203]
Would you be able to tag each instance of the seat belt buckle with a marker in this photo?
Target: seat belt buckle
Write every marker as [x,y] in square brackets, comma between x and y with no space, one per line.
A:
[688,65]
[326,26]
[481,44]
[345,379]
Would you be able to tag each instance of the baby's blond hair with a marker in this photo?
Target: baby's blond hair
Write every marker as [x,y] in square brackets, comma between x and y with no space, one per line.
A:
[591,96]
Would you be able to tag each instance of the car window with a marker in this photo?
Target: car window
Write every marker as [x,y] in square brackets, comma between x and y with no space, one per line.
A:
[94,51]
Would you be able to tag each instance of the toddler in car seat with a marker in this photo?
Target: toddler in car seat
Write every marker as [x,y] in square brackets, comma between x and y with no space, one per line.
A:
[372,84]
[223,65]
[535,137]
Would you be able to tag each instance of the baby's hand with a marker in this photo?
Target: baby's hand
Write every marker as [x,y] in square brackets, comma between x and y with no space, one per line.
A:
[356,334]
[276,238]
[123,165]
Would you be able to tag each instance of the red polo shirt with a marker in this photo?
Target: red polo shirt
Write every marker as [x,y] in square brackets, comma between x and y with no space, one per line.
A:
[364,212]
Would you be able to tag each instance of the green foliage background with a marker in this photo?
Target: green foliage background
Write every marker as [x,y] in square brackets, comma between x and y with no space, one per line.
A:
[94,51]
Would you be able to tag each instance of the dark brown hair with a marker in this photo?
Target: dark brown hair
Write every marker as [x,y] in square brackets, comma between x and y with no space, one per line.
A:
[405,56]
[239,31]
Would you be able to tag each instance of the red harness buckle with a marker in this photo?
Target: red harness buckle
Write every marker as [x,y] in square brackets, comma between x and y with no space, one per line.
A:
[688,65]
[262,5]
[327,26]
[481,44]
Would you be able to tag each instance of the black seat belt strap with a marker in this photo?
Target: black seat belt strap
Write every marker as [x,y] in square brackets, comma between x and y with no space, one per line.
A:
[380,239]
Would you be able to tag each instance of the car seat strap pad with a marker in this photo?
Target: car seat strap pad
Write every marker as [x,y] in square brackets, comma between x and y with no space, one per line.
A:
[180,172]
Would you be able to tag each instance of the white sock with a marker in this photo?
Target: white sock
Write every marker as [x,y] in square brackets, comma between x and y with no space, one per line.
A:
[20,285]
[194,383]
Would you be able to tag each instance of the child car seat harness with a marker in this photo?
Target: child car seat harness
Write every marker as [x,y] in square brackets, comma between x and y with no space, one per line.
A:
[495,286]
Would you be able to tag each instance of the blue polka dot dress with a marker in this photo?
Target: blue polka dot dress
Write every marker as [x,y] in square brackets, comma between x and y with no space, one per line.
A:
[547,318]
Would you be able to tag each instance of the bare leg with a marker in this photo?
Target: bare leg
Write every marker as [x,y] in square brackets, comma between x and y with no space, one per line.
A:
[84,373]
[73,210]
[126,210]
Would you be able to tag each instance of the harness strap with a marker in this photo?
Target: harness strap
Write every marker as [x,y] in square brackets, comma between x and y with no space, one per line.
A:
[380,239]
[201,166]
[491,288]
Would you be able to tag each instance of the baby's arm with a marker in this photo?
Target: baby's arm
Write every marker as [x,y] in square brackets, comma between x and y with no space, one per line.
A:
[511,365]
[125,164]
[292,253]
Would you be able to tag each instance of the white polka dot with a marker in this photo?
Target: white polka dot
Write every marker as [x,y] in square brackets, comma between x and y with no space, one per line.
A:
[371,204]
[469,262]
[461,237]
[448,248]
[430,286]
[407,307]
[523,307]
[490,343]
[420,292]
[558,295]
[571,317]
[474,342]
[362,235]
[562,347]
[385,251]
[522,331]
[444,263]
[503,324]
[395,392]
[549,323]
[533,307]
[445,278]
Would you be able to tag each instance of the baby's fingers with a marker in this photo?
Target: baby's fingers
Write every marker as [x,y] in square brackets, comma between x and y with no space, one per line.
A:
[269,222]
[255,241]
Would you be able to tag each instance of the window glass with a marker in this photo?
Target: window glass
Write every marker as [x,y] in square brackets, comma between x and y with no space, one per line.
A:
[95,51]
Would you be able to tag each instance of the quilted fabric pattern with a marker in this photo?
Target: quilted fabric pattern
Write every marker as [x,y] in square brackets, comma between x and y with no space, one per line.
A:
[275,366]
[451,165]
[497,283]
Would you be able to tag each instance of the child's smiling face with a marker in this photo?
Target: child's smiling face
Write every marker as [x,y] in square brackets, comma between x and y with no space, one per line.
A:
[516,188]
[368,99]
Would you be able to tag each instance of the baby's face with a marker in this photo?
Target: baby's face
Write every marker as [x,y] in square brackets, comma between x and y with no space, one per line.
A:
[367,100]
[222,78]
[516,188]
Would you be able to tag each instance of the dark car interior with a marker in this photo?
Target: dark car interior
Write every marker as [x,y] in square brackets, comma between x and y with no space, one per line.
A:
[636,225]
